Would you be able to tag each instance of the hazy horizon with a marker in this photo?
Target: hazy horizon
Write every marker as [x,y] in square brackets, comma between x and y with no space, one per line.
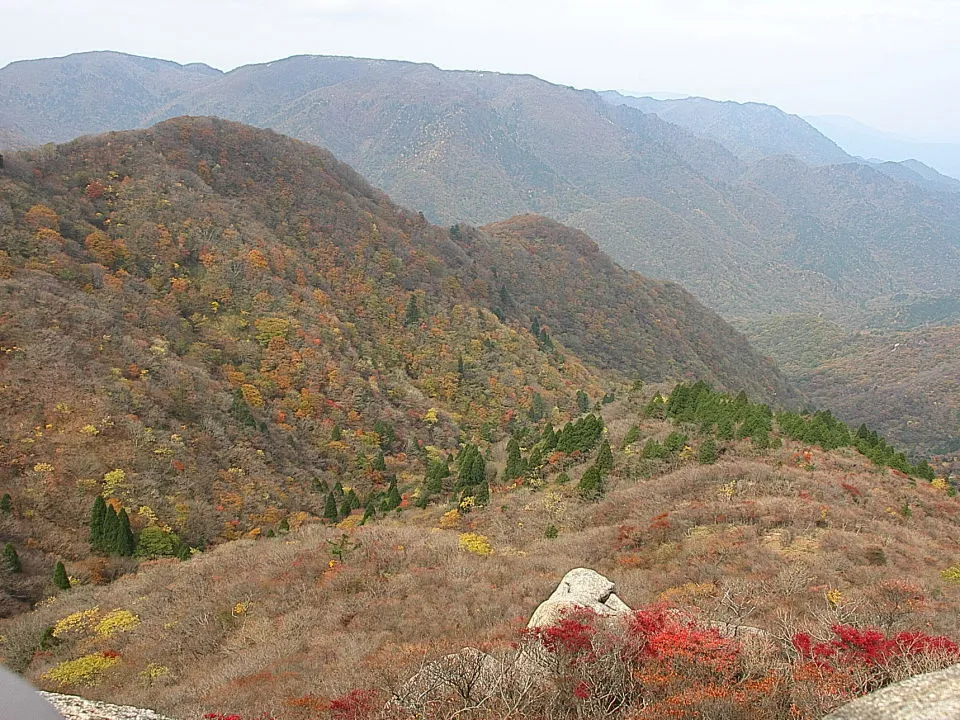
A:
[884,63]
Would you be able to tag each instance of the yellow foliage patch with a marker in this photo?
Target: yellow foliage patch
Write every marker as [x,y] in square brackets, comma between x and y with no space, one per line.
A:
[75,623]
[475,543]
[116,621]
[86,671]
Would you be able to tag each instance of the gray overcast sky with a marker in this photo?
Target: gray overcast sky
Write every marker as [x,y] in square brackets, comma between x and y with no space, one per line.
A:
[893,64]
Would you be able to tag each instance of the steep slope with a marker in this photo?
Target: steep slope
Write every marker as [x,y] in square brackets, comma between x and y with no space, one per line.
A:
[217,327]
[57,99]
[785,540]
[624,321]
[751,131]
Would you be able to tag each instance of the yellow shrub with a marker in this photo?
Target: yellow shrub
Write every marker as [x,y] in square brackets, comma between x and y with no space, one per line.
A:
[475,543]
[153,671]
[450,519]
[112,481]
[116,621]
[951,574]
[251,395]
[75,623]
[86,671]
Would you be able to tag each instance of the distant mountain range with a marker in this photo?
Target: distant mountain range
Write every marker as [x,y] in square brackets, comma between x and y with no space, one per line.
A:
[748,230]
[867,142]
[752,209]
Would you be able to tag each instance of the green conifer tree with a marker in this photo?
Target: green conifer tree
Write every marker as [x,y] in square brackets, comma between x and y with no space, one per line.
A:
[413,312]
[393,499]
[481,496]
[538,408]
[330,508]
[336,434]
[605,458]
[60,578]
[11,559]
[583,401]
[515,465]
[109,534]
[6,504]
[126,542]
[379,463]
[591,486]
[708,451]
[98,516]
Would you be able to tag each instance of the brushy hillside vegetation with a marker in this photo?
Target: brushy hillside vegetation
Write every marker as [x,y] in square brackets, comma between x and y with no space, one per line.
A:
[221,331]
[704,507]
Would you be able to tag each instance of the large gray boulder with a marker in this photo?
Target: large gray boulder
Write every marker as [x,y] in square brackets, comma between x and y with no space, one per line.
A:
[579,588]
[931,696]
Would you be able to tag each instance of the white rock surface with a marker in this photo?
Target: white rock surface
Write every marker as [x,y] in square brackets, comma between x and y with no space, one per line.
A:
[579,588]
[76,708]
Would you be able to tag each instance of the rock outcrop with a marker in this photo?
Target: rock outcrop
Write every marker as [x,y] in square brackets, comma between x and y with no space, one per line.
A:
[579,588]
[931,696]
[470,676]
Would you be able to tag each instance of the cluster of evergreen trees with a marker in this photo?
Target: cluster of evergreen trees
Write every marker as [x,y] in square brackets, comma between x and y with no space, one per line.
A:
[433,484]
[581,435]
[727,417]
[472,475]
[340,503]
[592,485]
[110,531]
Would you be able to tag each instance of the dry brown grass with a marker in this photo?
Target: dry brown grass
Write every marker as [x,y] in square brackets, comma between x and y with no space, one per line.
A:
[752,540]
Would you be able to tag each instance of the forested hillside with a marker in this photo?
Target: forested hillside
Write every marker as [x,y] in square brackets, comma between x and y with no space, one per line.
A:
[221,331]
[755,213]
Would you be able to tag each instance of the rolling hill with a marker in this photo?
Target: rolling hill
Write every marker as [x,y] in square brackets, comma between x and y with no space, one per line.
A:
[217,326]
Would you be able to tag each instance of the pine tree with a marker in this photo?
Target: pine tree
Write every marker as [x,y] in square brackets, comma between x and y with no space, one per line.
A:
[583,401]
[591,485]
[11,559]
[515,466]
[535,327]
[98,516]
[336,434]
[481,495]
[6,504]
[549,437]
[393,499]
[379,463]
[330,508]
[126,542]
[537,408]
[109,531]
[60,578]
[370,509]
[345,507]
[413,312]
[708,452]
[605,458]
